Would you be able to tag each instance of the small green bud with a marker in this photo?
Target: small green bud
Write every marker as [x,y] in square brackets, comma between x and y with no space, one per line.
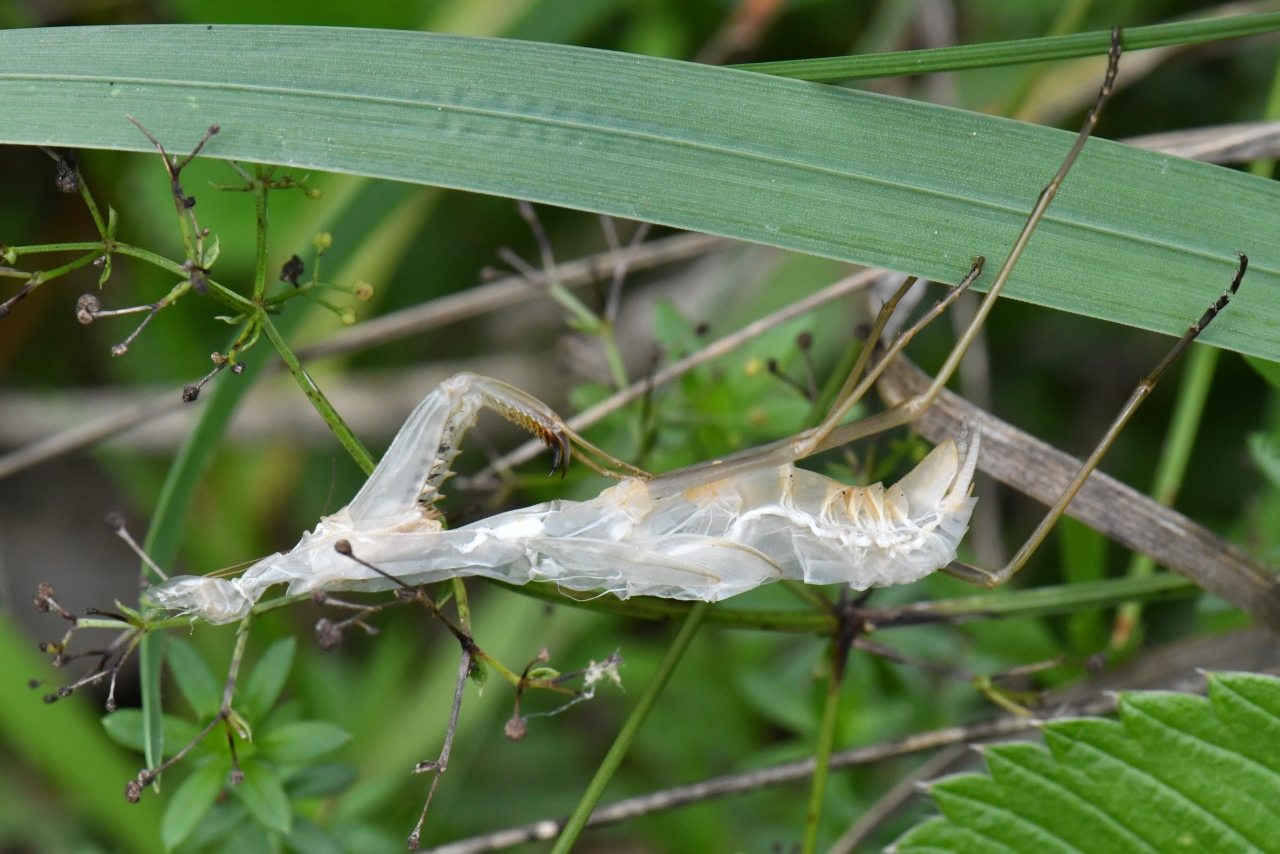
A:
[323,240]
[364,291]
[315,193]
[9,255]
[348,317]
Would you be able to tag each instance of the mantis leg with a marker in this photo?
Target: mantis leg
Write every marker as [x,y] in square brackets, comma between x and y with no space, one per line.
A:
[991,579]
[828,434]
[418,462]
[812,441]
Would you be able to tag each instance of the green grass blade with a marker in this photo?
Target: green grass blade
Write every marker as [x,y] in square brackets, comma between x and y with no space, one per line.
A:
[1016,52]
[1134,237]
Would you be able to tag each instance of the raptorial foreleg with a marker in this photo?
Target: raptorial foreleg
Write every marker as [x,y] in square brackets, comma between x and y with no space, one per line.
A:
[419,460]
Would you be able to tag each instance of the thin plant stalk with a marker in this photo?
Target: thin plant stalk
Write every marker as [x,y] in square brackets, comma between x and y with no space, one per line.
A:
[826,741]
[1170,470]
[1015,52]
[573,827]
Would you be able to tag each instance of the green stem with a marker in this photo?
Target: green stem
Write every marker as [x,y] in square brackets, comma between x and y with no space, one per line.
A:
[330,415]
[1032,602]
[826,742]
[260,191]
[460,600]
[1016,52]
[1265,167]
[573,827]
[91,205]
[1193,390]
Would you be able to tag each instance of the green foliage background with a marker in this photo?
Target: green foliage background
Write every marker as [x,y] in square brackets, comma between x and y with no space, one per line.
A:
[342,729]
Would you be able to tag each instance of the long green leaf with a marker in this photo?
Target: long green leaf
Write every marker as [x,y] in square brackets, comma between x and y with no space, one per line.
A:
[1018,51]
[1135,237]
[1177,773]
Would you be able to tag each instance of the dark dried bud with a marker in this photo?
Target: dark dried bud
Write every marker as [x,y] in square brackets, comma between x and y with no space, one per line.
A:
[237,368]
[237,777]
[516,729]
[43,593]
[328,635]
[1097,662]
[862,331]
[405,594]
[111,704]
[343,547]
[804,340]
[51,698]
[65,690]
[772,365]
[415,839]
[190,393]
[189,202]
[199,282]
[119,349]
[45,646]
[66,179]
[115,521]
[34,683]
[292,270]
[319,597]
[87,308]
[133,791]
[702,329]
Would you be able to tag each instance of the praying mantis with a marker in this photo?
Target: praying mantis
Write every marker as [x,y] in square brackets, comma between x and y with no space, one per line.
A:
[704,532]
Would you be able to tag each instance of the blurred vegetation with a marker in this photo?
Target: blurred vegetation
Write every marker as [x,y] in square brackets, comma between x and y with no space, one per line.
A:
[337,732]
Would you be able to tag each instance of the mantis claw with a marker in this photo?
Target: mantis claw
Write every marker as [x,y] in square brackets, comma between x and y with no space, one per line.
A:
[558,442]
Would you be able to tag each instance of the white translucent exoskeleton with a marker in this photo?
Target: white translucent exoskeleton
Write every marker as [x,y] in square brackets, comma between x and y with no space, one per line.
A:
[708,542]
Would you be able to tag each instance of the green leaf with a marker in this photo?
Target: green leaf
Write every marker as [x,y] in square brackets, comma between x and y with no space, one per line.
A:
[125,726]
[1270,371]
[317,781]
[1264,448]
[264,797]
[834,172]
[192,800]
[195,680]
[1018,51]
[302,741]
[263,687]
[307,838]
[1177,772]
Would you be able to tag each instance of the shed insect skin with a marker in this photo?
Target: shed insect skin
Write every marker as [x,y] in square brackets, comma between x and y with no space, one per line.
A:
[704,532]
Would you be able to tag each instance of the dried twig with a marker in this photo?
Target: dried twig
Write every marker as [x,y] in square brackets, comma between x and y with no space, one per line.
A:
[1234,143]
[1105,504]
[902,791]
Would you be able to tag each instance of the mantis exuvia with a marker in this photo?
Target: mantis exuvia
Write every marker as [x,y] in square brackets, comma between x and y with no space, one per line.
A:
[703,532]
